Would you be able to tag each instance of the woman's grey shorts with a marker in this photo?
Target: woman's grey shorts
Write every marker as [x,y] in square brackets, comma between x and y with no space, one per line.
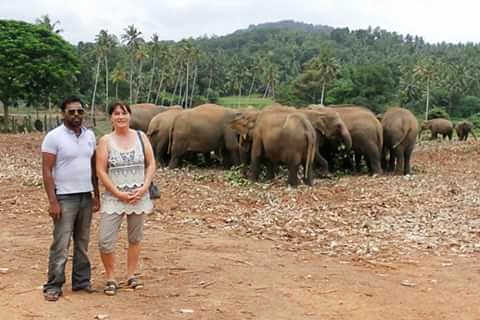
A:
[109,226]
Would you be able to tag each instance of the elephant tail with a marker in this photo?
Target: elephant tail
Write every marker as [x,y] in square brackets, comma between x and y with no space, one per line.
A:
[170,138]
[311,143]
[405,134]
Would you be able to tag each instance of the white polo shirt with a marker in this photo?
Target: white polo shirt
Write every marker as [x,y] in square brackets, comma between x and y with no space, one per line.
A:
[72,172]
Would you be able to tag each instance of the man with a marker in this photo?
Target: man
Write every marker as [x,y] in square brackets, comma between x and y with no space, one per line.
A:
[68,169]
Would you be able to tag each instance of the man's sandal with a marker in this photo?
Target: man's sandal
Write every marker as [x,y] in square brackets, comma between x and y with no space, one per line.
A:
[134,283]
[110,288]
[52,295]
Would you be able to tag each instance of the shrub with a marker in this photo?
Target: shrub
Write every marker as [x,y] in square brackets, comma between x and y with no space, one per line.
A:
[438,112]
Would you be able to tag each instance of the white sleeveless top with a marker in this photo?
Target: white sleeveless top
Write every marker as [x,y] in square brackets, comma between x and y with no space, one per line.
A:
[126,169]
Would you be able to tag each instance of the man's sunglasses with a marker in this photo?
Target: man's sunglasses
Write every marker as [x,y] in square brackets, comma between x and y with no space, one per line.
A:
[71,112]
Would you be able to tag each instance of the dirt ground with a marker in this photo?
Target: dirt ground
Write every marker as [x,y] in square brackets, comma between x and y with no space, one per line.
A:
[356,247]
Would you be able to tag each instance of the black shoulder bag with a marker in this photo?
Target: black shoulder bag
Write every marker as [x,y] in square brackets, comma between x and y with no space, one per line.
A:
[153,190]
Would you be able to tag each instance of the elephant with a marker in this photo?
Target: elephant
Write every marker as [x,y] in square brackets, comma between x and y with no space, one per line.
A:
[463,128]
[204,128]
[142,114]
[159,130]
[279,137]
[366,133]
[327,124]
[400,129]
[438,126]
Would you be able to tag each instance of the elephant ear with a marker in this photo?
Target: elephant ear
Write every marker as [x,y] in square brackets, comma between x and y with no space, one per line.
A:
[239,124]
[320,127]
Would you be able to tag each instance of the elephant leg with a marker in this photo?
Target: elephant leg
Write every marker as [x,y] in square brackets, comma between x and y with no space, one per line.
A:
[308,176]
[408,154]
[255,159]
[373,158]
[322,163]
[293,175]
[391,161]
[400,161]
[176,153]
[207,159]
[173,163]
[270,169]
[357,162]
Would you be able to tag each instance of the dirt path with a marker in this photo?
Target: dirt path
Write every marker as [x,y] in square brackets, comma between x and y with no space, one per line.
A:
[381,248]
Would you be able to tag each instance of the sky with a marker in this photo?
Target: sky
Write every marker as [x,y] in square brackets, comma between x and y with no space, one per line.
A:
[81,20]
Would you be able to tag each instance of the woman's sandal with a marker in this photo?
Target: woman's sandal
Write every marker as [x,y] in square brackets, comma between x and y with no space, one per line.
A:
[110,288]
[135,283]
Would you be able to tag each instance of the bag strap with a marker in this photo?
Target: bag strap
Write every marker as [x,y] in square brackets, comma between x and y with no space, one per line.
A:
[143,147]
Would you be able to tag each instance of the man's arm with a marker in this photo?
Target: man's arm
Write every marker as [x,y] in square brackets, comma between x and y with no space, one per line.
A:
[96,192]
[48,162]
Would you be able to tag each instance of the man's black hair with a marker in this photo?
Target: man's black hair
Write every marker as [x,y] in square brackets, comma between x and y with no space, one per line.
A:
[69,100]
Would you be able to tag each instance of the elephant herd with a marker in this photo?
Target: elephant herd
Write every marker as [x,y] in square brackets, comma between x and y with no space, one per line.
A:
[299,138]
[445,128]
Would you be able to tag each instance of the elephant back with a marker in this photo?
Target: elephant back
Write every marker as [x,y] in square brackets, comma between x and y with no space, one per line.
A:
[142,114]
[362,124]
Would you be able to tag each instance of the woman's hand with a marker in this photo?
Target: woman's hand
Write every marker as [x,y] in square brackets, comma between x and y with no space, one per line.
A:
[125,196]
[137,194]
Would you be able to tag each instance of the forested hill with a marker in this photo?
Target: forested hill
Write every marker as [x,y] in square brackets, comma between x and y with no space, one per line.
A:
[373,67]
[287,24]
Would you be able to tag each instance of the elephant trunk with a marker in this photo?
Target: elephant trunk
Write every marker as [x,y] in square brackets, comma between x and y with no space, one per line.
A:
[346,138]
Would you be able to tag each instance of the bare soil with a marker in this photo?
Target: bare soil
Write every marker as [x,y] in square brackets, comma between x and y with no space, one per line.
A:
[217,247]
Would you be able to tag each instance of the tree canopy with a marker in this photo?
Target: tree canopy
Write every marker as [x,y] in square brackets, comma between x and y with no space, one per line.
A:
[35,63]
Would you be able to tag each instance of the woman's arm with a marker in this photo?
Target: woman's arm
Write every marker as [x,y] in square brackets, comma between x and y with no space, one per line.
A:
[150,165]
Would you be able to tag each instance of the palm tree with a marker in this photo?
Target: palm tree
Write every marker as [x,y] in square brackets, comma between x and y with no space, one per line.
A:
[425,70]
[154,49]
[118,75]
[105,42]
[166,61]
[141,55]
[45,20]
[325,67]
[132,39]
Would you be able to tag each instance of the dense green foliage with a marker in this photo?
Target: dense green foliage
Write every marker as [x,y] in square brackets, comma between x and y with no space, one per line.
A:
[289,62]
[35,64]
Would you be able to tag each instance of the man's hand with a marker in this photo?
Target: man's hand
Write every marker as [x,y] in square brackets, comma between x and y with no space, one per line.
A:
[96,204]
[54,210]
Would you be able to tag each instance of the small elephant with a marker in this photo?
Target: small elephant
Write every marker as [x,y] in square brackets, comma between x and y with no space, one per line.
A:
[328,126]
[400,129]
[463,128]
[438,126]
[366,133]
[203,129]
[279,137]
[158,133]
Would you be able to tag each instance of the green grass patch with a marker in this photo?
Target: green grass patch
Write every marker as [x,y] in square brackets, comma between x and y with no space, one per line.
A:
[238,102]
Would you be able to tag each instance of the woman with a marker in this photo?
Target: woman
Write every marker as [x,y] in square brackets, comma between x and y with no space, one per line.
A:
[125,170]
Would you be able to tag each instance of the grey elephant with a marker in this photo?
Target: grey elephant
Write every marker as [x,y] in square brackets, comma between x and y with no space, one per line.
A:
[159,132]
[438,126]
[463,129]
[366,133]
[142,114]
[279,137]
[400,129]
[204,128]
